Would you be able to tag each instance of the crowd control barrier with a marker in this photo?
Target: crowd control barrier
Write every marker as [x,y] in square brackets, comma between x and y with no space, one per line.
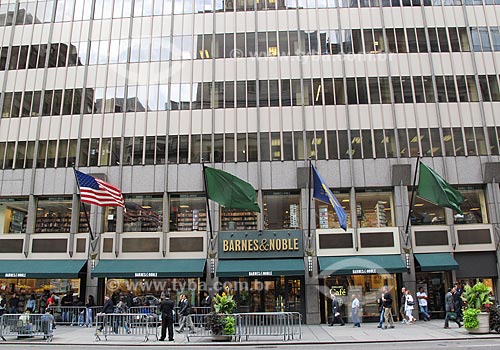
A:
[26,326]
[145,325]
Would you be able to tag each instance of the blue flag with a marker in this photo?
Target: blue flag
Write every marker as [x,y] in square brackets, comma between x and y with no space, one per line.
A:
[323,194]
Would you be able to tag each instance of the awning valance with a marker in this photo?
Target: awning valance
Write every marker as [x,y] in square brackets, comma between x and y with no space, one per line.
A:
[436,262]
[41,268]
[260,267]
[363,264]
[128,268]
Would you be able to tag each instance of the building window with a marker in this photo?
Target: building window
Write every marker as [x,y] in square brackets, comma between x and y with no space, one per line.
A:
[53,215]
[188,212]
[13,215]
[326,218]
[281,210]
[474,207]
[426,213]
[374,209]
[143,214]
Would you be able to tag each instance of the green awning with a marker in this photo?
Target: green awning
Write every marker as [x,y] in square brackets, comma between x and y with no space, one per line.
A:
[360,265]
[436,262]
[41,268]
[123,268]
[260,267]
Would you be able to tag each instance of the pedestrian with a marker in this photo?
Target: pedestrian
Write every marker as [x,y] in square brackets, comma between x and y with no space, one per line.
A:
[89,311]
[355,311]
[13,304]
[387,304]
[185,313]
[43,301]
[107,308]
[336,315]
[380,303]
[66,304]
[402,305]
[78,314]
[422,303]
[450,309]
[120,320]
[206,301]
[31,304]
[458,301]
[409,305]
[167,318]
[3,304]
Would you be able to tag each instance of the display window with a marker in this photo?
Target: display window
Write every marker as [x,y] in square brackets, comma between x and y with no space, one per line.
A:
[426,213]
[53,215]
[326,218]
[367,288]
[237,220]
[188,212]
[281,210]
[435,285]
[474,207]
[143,214]
[13,215]
[375,209]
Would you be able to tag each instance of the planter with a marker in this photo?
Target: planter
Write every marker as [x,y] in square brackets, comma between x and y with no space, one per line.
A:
[484,324]
[222,338]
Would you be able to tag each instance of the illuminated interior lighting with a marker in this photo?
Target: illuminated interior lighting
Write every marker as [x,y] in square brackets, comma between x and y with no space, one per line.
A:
[418,204]
[184,206]
[356,139]
[318,92]
[447,138]
[275,142]
[475,209]
[385,140]
[146,207]
[345,200]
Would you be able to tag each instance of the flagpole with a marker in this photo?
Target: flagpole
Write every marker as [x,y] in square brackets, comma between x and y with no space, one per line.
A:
[208,205]
[83,205]
[309,205]
[412,197]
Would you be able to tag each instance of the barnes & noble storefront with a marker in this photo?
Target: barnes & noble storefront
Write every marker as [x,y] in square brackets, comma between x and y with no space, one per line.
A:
[265,270]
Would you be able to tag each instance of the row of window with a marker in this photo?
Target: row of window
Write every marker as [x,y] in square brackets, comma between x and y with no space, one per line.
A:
[242,94]
[261,44]
[77,10]
[243,147]
[280,210]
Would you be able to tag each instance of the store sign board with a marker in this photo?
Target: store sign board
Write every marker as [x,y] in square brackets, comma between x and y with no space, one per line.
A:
[145,274]
[364,271]
[260,273]
[264,244]
[15,275]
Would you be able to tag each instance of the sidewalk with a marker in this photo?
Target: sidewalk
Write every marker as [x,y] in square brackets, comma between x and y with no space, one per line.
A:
[316,334]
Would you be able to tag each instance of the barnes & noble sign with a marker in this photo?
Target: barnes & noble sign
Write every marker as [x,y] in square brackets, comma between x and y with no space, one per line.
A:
[265,244]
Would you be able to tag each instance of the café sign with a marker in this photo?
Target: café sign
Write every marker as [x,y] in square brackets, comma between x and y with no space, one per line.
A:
[265,244]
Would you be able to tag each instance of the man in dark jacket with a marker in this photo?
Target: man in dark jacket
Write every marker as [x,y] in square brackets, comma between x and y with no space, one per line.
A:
[184,312]
[13,304]
[450,308]
[336,315]
[107,308]
[167,317]
[387,304]
[66,303]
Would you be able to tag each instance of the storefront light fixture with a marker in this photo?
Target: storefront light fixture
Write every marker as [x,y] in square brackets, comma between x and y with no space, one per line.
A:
[212,267]
[310,265]
[408,263]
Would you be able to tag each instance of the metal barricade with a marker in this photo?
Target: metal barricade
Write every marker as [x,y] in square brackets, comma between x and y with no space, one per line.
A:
[27,326]
[146,310]
[202,329]
[69,315]
[127,325]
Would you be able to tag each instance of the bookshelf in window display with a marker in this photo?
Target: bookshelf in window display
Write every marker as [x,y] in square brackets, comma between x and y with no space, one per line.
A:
[192,221]
[53,223]
[239,220]
[143,220]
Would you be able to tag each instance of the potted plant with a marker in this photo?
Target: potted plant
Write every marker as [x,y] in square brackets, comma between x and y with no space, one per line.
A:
[477,303]
[220,321]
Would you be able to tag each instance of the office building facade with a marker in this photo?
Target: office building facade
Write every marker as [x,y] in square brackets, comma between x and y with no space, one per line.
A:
[140,92]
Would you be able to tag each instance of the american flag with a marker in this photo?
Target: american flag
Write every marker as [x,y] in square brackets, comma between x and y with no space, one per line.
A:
[98,192]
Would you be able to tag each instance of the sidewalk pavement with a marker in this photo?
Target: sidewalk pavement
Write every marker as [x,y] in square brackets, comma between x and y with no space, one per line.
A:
[313,334]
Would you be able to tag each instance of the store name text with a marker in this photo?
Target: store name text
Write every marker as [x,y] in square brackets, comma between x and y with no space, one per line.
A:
[146,274]
[7,275]
[364,271]
[263,245]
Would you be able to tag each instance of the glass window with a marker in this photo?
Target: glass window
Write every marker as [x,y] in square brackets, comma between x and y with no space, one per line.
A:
[426,213]
[187,212]
[13,215]
[326,218]
[281,210]
[143,214]
[474,207]
[110,219]
[237,220]
[53,215]
[374,209]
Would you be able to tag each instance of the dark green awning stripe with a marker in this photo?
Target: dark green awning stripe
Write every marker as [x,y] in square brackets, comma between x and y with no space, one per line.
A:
[260,267]
[436,262]
[362,264]
[41,268]
[126,268]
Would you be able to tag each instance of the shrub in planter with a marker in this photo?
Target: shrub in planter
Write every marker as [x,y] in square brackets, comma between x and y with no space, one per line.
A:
[470,318]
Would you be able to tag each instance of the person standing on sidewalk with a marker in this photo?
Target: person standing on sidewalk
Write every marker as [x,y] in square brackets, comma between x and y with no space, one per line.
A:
[336,315]
[387,304]
[402,305]
[422,303]
[380,303]
[185,313]
[355,311]
[409,305]
[167,318]
[450,309]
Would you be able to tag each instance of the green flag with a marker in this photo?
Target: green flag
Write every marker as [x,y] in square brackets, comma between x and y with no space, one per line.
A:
[230,191]
[435,189]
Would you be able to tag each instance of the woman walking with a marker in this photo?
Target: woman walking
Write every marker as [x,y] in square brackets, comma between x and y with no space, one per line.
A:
[409,305]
